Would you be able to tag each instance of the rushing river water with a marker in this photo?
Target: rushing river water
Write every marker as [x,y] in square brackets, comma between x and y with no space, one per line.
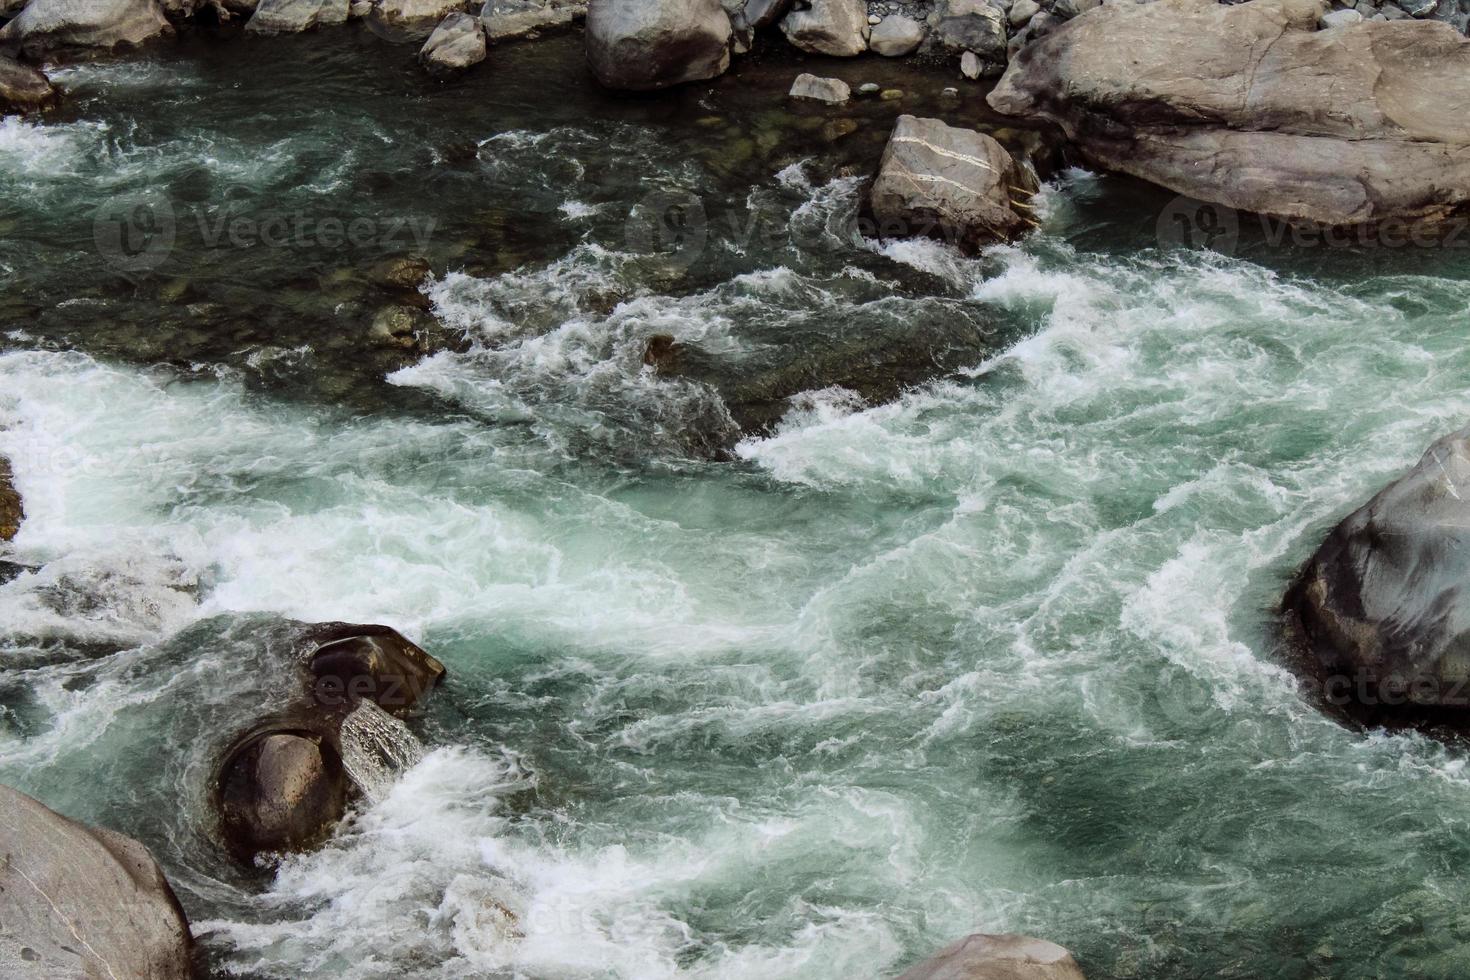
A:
[998,654]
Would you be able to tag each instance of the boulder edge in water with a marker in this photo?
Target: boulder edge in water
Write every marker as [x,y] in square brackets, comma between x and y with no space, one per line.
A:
[645,46]
[83,902]
[999,957]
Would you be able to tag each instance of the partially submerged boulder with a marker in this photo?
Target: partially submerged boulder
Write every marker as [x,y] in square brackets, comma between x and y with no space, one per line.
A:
[456,45]
[292,16]
[645,46]
[283,784]
[1002,957]
[835,27]
[831,90]
[939,181]
[23,88]
[1250,106]
[12,511]
[82,902]
[46,27]
[972,25]
[1380,614]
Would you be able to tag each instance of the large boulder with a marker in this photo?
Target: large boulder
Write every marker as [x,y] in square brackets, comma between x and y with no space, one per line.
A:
[78,903]
[292,16]
[1380,614]
[414,18]
[971,25]
[643,46]
[756,14]
[835,27]
[456,44]
[23,88]
[45,27]
[896,36]
[506,19]
[958,185]
[283,784]
[1003,957]
[1252,107]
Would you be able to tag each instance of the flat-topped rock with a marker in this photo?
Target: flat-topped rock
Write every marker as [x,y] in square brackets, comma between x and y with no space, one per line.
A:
[48,26]
[1252,107]
[1002,957]
[645,46]
[292,16]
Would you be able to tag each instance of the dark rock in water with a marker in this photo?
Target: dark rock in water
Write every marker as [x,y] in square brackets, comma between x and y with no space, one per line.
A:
[82,902]
[282,785]
[292,16]
[281,791]
[977,26]
[834,27]
[1250,106]
[12,510]
[456,45]
[45,27]
[23,88]
[403,327]
[1003,957]
[756,14]
[645,46]
[661,353]
[1380,615]
[408,272]
[938,181]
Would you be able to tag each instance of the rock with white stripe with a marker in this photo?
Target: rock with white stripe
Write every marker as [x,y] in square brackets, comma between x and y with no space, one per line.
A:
[957,185]
[78,903]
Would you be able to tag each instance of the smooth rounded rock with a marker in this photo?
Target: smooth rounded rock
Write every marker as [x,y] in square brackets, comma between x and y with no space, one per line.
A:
[832,27]
[897,36]
[280,791]
[1001,957]
[645,46]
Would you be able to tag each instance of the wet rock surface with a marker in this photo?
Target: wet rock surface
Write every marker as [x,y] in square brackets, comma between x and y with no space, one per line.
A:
[23,88]
[80,902]
[1002,957]
[651,46]
[47,27]
[293,16]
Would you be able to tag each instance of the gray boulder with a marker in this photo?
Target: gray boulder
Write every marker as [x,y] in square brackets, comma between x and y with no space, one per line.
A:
[644,46]
[456,44]
[79,903]
[833,90]
[834,27]
[1022,11]
[1380,612]
[971,25]
[1004,957]
[22,89]
[292,16]
[896,36]
[756,14]
[48,26]
[504,20]
[1251,107]
[938,181]
[1339,18]
[413,18]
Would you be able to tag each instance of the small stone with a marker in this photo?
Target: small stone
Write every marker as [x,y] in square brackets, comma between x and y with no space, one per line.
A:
[891,94]
[874,19]
[832,90]
[950,93]
[835,129]
[869,88]
[1022,11]
[970,65]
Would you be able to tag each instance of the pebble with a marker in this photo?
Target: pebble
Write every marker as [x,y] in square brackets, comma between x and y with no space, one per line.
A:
[874,19]
[891,94]
[869,88]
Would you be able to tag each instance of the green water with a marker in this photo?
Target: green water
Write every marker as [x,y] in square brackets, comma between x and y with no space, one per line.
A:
[999,654]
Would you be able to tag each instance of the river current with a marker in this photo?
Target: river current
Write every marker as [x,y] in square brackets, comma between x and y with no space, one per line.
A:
[996,651]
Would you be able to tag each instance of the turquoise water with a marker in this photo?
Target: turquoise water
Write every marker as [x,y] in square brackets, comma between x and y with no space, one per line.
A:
[999,654]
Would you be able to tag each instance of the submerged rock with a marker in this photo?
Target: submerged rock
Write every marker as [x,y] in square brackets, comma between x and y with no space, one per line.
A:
[835,27]
[808,86]
[283,784]
[1251,107]
[938,181]
[456,45]
[1003,957]
[1380,614]
[291,16]
[12,511]
[82,902]
[23,88]
[48,26]
[644,46]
